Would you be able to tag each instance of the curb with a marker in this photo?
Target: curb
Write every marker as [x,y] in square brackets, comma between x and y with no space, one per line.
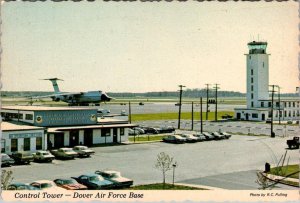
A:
[276,178]
[200,186]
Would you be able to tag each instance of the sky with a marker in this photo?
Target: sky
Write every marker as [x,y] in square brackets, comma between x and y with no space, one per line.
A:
[144,47]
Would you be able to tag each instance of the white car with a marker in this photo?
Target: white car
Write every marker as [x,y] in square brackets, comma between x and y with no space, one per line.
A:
[190,138]
[46,185]
[83,151]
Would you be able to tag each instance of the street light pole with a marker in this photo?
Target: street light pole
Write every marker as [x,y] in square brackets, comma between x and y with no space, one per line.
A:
[201,120]
[174,166]
[180,96]
[207,93]
[216,106]
[192,115]
[272,107]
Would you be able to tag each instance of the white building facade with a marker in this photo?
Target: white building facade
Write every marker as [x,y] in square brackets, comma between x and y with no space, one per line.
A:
[259,103]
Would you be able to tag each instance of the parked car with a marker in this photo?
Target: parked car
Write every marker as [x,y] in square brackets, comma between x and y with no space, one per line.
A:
[227,135]
[116,178]
[168,129]
[64,153]
[150,130]
[94,181]
[69,184]
[189,138]
[21,186]
[294,143]
[6,160]
[140,130]
[174,139]
[133,132]
[200,137]
[43,156]
[22,157]
[83,151]
[45,185]
[208,136]
[218,136]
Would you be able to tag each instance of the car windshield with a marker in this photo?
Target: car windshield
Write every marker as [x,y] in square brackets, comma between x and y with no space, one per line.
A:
[68,181]
[115,175]
[82,147]
[68,150]
[45,185]
[96,178]
[45,153]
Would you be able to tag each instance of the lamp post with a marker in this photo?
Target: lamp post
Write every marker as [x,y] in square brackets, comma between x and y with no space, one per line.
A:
[174,166]
[180,96]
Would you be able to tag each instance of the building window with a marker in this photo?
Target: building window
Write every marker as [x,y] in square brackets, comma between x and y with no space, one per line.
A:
[298,113]
[251,71]
[254,115]
[294,104]
[2,146]
[263,64]
[294,113]
[284,113]
[105,132]
[28,117]
[26,144]
[252,104]
[14,145]
[262,104]
[38,142]
[251,95]
[269,104]
[122,131]
[251,87]
[284,104]
[252,80]
[289,113]
[289,104]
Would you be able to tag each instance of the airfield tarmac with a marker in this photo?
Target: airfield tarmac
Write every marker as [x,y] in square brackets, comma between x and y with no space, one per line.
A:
[163,107]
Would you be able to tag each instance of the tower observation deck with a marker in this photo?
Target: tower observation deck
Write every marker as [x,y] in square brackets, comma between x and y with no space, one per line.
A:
[257,47]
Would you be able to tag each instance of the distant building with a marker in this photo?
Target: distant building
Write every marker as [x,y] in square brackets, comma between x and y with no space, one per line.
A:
[30,128]
[259,103]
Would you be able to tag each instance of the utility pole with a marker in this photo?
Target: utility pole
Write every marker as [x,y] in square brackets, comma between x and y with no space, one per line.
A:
[272,107]
[207,97]
[129,106]
[180,96]
[192,115]
[201,120]
[279,104]
[216,101]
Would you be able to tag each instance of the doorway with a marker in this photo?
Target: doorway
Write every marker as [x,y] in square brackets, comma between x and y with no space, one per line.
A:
[115,135]
[88,137]
[74,138]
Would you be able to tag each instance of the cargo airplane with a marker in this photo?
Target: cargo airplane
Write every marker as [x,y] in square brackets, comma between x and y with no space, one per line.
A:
[75,98]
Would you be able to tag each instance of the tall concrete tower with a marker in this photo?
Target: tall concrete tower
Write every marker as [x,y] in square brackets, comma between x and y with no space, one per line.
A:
[257,74]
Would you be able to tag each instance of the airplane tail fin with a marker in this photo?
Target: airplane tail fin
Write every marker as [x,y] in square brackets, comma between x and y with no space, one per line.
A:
[54,83]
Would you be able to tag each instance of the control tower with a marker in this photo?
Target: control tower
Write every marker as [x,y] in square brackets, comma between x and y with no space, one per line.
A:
[257,74]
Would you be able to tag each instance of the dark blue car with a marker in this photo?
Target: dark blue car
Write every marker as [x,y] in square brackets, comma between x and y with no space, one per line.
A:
[94,181]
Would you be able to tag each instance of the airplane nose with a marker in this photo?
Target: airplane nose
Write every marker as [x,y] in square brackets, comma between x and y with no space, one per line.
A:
[104,97]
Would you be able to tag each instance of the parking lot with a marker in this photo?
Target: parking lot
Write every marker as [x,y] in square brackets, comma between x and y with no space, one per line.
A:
[197,162]
[230,126]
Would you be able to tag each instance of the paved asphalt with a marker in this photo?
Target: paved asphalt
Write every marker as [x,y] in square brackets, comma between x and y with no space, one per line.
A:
[212,163]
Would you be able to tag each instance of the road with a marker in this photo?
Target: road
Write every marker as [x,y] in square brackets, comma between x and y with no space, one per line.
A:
[197,162]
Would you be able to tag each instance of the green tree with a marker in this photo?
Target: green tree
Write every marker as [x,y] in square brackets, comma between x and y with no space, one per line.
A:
[6,178]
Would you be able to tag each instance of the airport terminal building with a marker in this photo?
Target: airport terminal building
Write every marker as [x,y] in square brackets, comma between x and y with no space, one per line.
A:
[259,102]
[32,128]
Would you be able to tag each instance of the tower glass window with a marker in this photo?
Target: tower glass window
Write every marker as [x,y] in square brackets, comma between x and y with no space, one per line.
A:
[252,80]
[251,71]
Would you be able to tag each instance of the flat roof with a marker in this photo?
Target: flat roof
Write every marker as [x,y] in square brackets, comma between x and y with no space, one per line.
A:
[57,129]
[44,108]
[6,126]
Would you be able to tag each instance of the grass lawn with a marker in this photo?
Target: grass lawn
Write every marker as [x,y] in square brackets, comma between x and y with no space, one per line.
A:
[146,138]
[184,115]
[286,170]
[159,186]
